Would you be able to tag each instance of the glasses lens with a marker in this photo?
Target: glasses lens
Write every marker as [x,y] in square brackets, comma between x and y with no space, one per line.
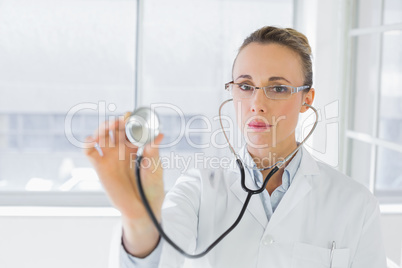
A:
[278,92]
[242,91]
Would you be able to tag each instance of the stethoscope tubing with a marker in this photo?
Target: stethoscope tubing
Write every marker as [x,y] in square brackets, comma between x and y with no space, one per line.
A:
[250,192]
[162,232]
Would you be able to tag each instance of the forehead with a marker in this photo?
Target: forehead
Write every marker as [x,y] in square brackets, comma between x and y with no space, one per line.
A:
[262,61]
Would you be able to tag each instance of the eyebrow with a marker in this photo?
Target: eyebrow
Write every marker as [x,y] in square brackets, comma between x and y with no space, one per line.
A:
[247,76]
[271,79]
[277,78]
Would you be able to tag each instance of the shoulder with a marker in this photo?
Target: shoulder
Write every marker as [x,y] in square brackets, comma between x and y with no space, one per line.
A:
[204,183]
[340,180]
[188,182]
[335,183]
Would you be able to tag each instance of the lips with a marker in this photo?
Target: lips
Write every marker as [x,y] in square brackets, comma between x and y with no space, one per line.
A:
[258,125]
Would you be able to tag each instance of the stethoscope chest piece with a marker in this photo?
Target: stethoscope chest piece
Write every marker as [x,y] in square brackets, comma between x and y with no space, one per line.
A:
[142,126]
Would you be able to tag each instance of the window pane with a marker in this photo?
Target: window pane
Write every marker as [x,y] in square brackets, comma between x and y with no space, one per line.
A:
[62,62]
[42,171]
[389,170]
[187,58]
[368,13]
[392,11]
[4,140]
[366,54]
[359,166]
[11,121]
[391,88]
[35,123]
[38,142]
[188,51]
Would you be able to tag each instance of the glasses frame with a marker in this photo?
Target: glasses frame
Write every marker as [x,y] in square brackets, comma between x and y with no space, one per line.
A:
[293,89]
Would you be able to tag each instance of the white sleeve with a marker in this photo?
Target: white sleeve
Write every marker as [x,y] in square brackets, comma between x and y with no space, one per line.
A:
[180,223]
[370,252]
[150,261]
[180,218]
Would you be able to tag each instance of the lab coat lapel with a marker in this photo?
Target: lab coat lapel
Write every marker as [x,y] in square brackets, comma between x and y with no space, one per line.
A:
[299,189]
[255,206]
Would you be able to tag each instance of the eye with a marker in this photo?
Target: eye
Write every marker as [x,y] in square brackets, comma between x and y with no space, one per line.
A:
[245,87]
[280,89]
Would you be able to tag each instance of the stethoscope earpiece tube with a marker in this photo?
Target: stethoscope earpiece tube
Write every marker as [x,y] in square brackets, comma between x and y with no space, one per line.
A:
[148,207]
[159,228]
[274,168]
[243,180]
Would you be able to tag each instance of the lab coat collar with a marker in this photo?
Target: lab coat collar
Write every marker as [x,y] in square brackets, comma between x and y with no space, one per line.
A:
[299,188]
[308,165]
[255,206]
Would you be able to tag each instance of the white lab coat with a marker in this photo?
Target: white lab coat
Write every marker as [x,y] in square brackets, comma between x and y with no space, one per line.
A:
[321,206]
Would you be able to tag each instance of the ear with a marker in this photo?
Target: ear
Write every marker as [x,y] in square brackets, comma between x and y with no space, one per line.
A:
[307,98]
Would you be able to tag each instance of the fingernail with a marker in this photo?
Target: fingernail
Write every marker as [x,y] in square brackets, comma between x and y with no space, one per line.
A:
[98,148]
[111,135]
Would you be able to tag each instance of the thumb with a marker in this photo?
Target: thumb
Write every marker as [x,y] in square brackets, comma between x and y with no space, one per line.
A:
[152,148]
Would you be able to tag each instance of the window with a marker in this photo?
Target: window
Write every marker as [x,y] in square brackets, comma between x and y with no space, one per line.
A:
[66,66]
[188,48]
[374,129]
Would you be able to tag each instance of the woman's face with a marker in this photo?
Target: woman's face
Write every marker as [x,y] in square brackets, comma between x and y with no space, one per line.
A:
[265,122]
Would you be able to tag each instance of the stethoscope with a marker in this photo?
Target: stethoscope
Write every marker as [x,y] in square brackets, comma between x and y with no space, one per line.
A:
[143,126]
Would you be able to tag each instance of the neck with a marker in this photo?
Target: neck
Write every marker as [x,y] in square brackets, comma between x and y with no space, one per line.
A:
[268,156]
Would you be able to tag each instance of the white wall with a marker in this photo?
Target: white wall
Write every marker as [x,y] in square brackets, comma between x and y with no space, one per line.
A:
[70,241]
[392,236]
[84,242]
[49,242]
[325,24]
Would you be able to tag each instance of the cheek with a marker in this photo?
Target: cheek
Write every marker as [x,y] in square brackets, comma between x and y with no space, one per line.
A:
[287,116]
[240,109]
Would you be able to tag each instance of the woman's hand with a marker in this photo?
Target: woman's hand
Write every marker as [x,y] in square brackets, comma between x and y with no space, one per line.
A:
[113,158]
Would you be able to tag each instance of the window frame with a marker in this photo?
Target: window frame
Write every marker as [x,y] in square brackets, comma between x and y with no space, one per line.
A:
[350,135]
[79,198]
[86,198]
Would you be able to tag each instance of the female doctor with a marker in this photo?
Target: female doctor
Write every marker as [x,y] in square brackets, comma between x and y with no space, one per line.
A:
[309,216]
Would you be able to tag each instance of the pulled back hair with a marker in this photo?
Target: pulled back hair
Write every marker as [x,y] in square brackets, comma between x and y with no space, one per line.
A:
[289,38]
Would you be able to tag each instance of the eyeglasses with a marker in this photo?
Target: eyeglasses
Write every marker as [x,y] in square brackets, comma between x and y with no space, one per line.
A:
[276,92]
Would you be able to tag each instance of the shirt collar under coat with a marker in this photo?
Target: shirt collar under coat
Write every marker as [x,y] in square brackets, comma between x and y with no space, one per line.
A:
[288,174]
[306,164]
[301,185]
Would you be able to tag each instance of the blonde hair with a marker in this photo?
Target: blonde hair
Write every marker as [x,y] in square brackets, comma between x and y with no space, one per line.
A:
[290,38]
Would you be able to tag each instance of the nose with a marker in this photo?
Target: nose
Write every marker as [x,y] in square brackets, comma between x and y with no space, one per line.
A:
[259,101]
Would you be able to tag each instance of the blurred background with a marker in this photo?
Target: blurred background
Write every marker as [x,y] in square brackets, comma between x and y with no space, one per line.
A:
[67,66]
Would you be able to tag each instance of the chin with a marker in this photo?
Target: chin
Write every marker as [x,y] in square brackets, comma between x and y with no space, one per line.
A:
[258,140]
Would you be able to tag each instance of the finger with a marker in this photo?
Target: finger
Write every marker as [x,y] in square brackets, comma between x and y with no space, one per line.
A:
[159,139]
[111,137]
[127,115]
[99,149]
[112,131]
[121,124]
[152,148]
[89,142]
[90,145]
[108,132]
[100,130]
[105,127]
[122,128]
